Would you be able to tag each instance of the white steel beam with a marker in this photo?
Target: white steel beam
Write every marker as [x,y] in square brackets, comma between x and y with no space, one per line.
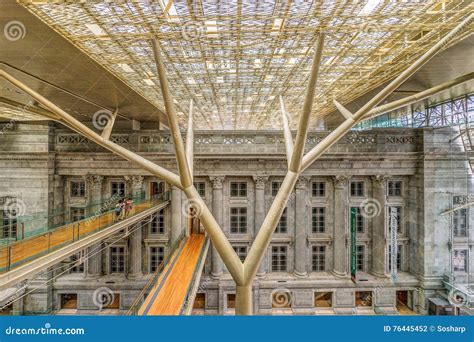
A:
[109,126]
[335,135]
[286,131]
[80,128]
[190,139]
[343,110]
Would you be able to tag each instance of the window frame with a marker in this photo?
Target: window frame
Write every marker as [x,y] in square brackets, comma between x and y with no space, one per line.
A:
[315,255]
[393,188]
[313,190]
[241,190]
[113,193]
[201,188]
[239,229]
[122,263]
[316,224]
[82,189]
[355,183]
[282,261]
[157,224]
[152,255]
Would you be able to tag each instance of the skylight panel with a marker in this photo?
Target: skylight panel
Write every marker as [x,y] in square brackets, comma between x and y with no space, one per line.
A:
[125,67]
[369,7]
[96,29]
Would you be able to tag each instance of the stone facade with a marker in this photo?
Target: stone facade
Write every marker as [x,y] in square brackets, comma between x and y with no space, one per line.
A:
[240,172]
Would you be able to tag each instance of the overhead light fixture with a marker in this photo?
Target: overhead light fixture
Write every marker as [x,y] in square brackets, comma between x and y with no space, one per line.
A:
[211,28]
[96,29]
[125,67]
[369,7]
[277,26]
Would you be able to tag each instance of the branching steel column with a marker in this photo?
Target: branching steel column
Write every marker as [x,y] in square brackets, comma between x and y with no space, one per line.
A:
[183,168]
[301,134]
[286,131]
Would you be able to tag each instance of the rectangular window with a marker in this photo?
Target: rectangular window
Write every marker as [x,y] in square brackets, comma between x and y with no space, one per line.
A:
[78,189]
[360,223]
[117,189]
[460,222]
[156,255]
[460,260]
[319,258]
[357,189]
[9,224]
[282,226]
[318,189]
[360,257]
[157,225]
[396,212]
[318,219]
[394,188]
[241,252]
[201,188]
[279,259]
[238,189]
[238,220]
[77,214]
[77,265]
[275,188]
[117,259]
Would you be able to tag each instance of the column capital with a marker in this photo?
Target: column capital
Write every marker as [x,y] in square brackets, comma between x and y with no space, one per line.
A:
[260,181]
[137,181]
[340,181]
[217,181]
[95,181]
[302,182]
[379,179]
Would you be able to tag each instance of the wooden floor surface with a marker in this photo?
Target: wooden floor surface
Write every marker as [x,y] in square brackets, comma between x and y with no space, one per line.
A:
[25,250]
[167,297]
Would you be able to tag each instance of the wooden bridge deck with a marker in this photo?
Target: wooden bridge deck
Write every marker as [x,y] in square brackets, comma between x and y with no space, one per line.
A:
[168,295]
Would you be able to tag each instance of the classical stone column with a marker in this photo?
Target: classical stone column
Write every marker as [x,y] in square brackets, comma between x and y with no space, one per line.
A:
[300,227]
[260,215]
[217,211]
[378,225]
[94,262]
[137,185]
[340,245]
[135,255]
[94,189]
[175,214]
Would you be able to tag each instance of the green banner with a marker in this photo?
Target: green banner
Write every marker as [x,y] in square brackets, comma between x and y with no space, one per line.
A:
[353,244]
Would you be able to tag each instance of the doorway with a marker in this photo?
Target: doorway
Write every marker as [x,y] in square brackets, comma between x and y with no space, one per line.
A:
[404,300]
[156,189]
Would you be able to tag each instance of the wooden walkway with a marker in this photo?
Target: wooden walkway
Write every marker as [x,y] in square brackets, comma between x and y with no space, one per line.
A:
[168,295]
[20,252]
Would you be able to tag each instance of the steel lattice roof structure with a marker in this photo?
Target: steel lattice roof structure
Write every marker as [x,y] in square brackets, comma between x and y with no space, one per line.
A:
[234,58]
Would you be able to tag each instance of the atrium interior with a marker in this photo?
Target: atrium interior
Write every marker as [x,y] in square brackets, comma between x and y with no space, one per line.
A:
[236,157]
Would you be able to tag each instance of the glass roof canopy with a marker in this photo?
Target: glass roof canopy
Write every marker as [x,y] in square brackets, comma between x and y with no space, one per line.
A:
[234,58]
